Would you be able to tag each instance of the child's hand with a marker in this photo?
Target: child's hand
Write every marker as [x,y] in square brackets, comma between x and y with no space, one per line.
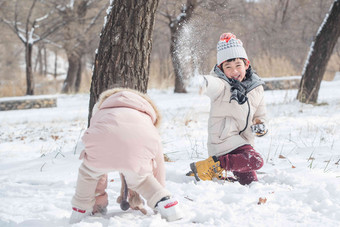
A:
[259,129]
[201,83]
[136,202]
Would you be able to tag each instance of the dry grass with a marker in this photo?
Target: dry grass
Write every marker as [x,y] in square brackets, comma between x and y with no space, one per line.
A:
[268,66]
[43,85]
[17,87]
[161,76]
[14,87]
[86,82]
[332,67]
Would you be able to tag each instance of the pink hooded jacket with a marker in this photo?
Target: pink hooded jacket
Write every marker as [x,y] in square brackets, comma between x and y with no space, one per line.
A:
[123,136]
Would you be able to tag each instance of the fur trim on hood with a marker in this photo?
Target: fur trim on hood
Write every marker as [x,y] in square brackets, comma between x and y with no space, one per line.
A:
[104,95]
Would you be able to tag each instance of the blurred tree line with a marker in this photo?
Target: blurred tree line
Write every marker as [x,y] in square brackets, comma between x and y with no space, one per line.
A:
[276,34]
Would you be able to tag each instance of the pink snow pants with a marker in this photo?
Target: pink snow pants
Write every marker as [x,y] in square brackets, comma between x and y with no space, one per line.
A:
[242,162]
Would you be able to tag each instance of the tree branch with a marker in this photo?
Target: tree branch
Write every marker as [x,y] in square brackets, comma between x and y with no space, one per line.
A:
[28,19]
[93,21]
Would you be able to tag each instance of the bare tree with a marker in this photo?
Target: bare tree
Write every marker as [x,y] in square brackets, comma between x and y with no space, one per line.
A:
[176,23]
[191,23]
[81,21]
[281,29]
[31,29]
[259,24]
[320,52]
[123,58]
[41,60]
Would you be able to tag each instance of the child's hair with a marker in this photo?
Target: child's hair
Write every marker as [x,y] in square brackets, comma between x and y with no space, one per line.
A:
[233,59]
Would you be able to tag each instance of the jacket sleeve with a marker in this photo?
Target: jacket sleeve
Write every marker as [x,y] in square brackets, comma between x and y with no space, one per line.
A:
[214,87]
[260,113]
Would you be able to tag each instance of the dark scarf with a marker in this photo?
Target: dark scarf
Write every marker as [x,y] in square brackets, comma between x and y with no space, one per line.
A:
[239,90]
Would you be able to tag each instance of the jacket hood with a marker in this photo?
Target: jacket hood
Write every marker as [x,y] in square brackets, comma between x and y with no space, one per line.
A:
[128,98]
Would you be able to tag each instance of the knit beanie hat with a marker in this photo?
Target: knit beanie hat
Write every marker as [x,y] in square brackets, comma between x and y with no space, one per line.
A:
[229,47]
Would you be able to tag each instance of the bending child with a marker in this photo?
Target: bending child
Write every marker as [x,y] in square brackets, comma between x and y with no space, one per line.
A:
[123,137]
[237,112]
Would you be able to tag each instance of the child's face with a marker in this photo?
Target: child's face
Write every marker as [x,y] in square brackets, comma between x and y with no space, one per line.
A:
[235,69]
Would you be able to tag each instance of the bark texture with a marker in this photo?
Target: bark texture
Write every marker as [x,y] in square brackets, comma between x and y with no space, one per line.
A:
[123,56]
[320,53]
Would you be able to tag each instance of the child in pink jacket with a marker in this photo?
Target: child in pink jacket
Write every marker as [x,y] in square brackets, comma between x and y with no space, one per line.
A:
[123,137]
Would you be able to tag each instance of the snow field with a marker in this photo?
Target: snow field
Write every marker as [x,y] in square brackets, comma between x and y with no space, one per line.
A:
[299,184]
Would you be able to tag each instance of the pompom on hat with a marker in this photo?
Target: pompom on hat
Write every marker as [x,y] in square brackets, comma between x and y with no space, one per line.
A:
[229,47]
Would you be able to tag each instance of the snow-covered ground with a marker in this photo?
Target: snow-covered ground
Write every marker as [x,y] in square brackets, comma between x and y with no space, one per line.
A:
[300,181]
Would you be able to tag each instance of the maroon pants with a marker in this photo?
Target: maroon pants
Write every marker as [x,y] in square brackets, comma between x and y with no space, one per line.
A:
[242,162]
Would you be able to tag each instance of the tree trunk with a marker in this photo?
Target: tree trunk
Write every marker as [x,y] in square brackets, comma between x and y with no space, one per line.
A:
[176,26]
[55,63]
[29,74]
[123,58]
[45,61]
[320,53]
[72,71]
[75,45]
[78,76]
[179,80]
[38,60]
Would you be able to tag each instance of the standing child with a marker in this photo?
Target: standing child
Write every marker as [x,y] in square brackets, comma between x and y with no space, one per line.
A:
[123,137]
[237,111]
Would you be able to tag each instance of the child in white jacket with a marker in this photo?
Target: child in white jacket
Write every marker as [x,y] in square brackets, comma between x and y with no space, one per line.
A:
[237,112]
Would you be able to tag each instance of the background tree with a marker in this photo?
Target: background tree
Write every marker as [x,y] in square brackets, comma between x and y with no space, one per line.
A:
[176,23]
[259,24]
[263,35]
[31,29]
[320,52]
[10,50]
[188,22]
[123,58]
[81,17]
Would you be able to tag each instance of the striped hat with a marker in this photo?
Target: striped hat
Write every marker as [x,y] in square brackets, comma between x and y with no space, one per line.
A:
[229,47]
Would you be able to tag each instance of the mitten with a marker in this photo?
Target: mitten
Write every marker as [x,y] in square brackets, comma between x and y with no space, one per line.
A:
[202,84]
[259,129]
[101,204]
[136,202]
[129,198]
[102,201]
